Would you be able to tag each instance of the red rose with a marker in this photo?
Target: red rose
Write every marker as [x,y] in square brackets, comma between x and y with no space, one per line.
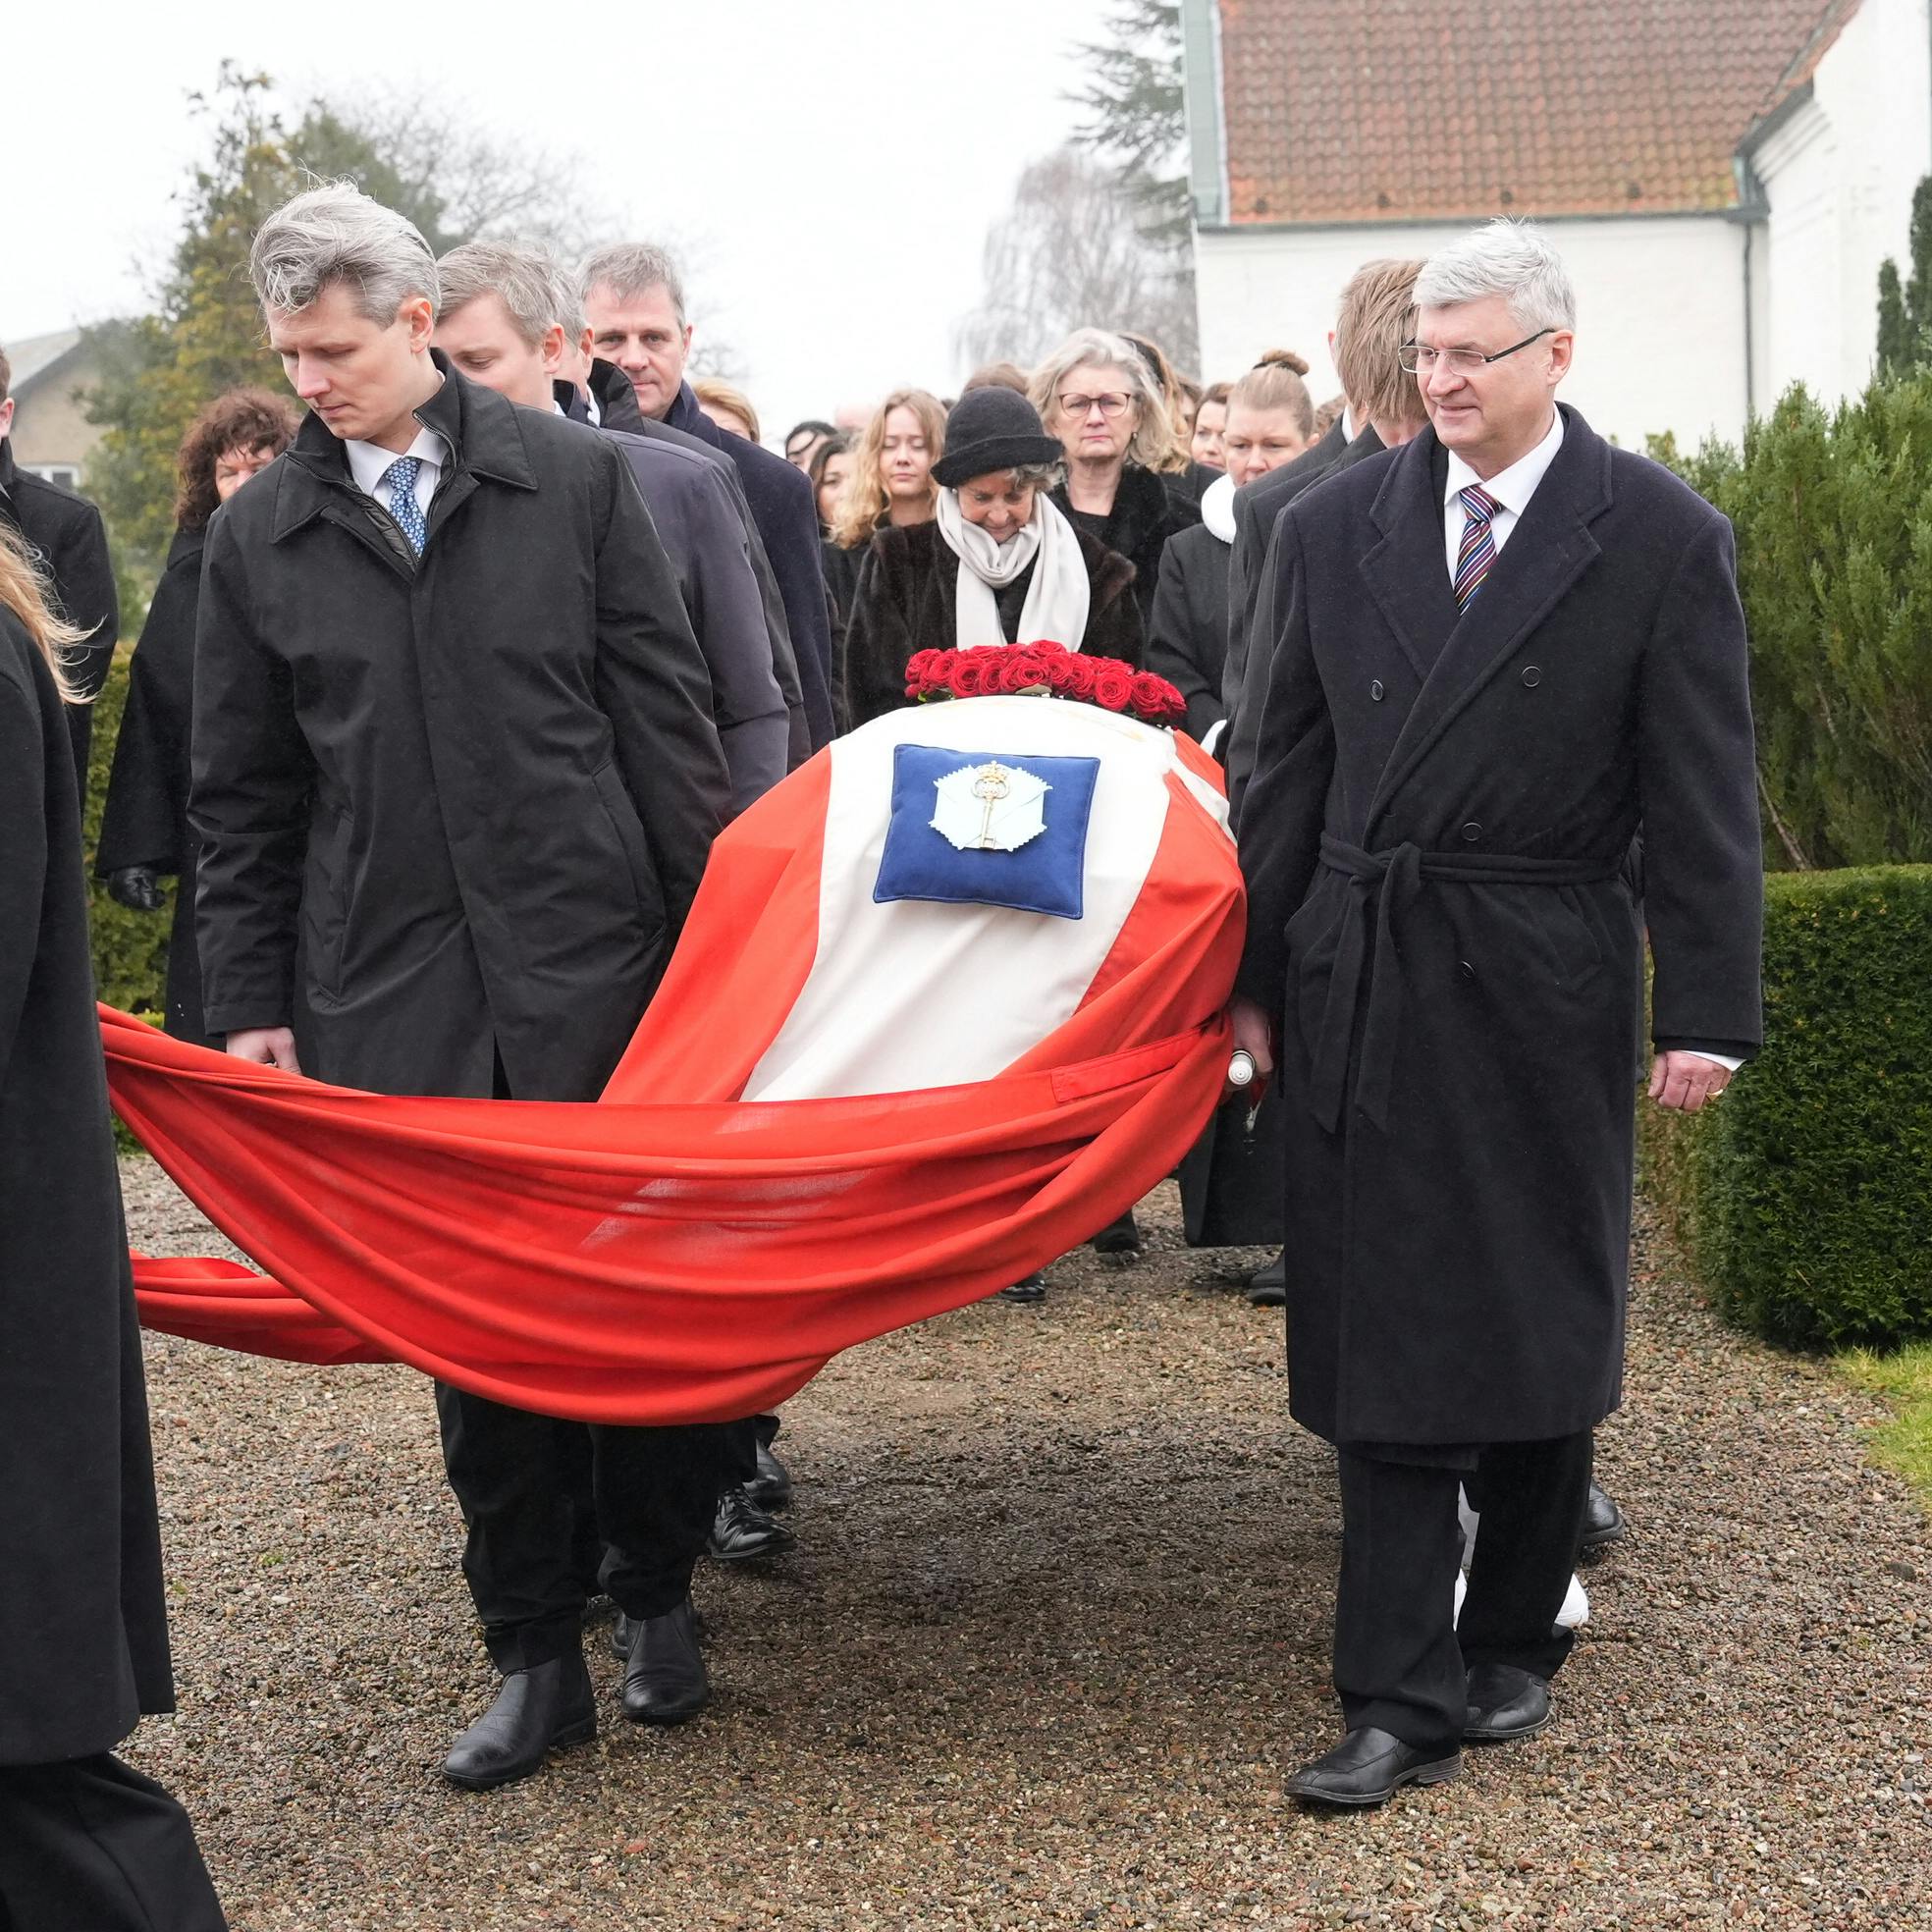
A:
[1028,668]
[968,674]
[1075,679]
[1113,684]
[1047,646]
[1154,697]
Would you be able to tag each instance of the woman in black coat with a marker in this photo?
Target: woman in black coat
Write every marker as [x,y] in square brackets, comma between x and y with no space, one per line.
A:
[1000,564]
[144,835]
[83,1633]
[1129,485]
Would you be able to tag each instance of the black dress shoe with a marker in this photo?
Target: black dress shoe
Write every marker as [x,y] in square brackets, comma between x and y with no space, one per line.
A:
[664,1679]
[1505,1703]
[1032,1289]
[1270,1287]
[770,1487]
[625,1630]
[546,1706]
[1121,1237]
[741,1533]
[1368,1767]
[1603,1524]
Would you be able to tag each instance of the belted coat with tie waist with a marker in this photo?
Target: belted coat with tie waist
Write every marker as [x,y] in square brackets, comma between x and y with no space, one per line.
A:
[1433,841]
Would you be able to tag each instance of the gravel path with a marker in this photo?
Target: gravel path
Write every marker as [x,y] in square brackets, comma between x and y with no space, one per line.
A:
[1055,1632]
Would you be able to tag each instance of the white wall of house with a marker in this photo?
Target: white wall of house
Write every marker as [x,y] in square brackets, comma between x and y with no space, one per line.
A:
[1839,176]
[1660,337]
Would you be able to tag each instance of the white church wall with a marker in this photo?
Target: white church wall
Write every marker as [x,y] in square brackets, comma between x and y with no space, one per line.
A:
[1660,341]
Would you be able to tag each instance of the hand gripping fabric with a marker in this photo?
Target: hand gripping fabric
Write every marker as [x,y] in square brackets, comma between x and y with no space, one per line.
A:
[740,1205]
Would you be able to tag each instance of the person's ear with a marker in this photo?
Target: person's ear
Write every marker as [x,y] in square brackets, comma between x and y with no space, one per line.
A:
[551,349]
[419,313]
[1563,347]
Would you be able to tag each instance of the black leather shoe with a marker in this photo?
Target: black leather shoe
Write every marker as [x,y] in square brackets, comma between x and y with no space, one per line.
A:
[1270,1287]
[664,1679]
[1505,1703]
[1603,1524]
[1032,1289]
[1121,1237]
[741,1533]
[1368,1767]
[536,1711]
[623,1631]
[770,1487]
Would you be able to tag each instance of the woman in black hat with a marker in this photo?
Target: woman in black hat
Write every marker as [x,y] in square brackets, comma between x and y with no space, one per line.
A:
[999,564]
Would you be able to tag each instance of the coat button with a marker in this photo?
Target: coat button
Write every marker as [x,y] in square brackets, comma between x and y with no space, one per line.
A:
[1531,675]
[1472,833]
[1376,689]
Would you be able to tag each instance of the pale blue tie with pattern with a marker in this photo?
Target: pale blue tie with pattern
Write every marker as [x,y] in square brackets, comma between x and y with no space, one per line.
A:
[400,476]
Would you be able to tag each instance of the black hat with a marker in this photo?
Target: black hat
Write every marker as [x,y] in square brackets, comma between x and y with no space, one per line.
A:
[993,429]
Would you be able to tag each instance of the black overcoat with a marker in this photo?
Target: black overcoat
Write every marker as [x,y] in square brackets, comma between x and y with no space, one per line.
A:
[1148,510]
[456,807]
[907,603]
[786,509]
[83,1633]
[145,821]
[1187,639]
[66,533]
[1434,842]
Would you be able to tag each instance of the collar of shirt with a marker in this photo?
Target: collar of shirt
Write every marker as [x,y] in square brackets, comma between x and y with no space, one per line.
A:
[1349,430]
[367,463]
[1512,489]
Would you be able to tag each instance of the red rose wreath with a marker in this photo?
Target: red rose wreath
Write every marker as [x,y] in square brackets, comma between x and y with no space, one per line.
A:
[1047,669]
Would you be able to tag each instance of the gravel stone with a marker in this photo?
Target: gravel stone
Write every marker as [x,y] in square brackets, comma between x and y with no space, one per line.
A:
[1055,1631]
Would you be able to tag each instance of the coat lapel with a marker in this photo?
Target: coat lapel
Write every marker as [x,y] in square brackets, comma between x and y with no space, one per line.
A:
[1550,547]
[1404,566]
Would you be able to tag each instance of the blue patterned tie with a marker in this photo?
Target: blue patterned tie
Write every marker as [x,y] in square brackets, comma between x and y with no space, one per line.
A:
[400,476]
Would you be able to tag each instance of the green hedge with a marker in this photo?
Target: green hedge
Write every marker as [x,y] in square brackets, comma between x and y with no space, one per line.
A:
[1804,1198]
[131,948]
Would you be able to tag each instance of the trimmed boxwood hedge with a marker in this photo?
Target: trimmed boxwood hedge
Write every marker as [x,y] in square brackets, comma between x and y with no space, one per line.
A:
[1804,1199]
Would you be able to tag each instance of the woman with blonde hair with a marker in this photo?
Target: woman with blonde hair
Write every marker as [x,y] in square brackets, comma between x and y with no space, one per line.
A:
[889,484]
[84,1624]
[728,405]
[1127,483]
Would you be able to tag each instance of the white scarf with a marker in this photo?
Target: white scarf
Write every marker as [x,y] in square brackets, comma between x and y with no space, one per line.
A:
[1058,598]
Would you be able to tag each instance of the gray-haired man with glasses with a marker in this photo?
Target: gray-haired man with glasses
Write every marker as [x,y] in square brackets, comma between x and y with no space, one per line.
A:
[1504,650]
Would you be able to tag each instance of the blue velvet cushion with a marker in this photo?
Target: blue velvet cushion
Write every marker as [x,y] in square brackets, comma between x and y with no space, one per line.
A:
[1044,873]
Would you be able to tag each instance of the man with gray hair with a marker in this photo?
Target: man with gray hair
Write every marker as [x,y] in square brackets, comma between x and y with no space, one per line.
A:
[456,777]
[498,324]
[634,303]
[1503,650]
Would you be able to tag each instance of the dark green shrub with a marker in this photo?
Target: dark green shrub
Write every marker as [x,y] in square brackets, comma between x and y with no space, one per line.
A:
[1803,1197]
[131,948]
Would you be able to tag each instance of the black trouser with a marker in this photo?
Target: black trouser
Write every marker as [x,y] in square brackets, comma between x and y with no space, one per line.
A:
[1401,1660]
[89,1845]
[518,1477]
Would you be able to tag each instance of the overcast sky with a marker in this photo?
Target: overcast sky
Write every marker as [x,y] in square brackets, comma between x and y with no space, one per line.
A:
[840,158]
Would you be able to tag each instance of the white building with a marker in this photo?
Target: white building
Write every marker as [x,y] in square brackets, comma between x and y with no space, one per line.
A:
[1724,177]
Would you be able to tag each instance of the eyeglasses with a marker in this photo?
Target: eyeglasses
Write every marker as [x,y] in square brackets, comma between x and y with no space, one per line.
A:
[1422,359]
[1109,405]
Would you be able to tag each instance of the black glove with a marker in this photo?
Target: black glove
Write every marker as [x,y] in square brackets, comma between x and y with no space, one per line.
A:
[137,888]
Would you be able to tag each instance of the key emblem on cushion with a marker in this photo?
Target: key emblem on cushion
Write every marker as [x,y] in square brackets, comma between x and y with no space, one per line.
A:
[990,808]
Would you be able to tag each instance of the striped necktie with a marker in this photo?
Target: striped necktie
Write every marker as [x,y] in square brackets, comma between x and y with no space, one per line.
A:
[1479,545]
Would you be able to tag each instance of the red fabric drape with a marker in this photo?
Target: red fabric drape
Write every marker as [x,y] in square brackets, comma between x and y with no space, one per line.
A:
[670,1254]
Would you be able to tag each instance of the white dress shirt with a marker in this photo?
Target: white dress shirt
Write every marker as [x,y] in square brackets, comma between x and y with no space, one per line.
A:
[1512,489]
[367,463]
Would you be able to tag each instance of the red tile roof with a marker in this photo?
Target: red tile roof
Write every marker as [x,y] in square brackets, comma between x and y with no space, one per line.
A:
[1385,110]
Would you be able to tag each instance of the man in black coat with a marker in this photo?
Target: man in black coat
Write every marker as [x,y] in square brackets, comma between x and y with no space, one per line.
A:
[496,326]
[68,541]
[634,301]
[83,1626]
[455,778]
[1504,648]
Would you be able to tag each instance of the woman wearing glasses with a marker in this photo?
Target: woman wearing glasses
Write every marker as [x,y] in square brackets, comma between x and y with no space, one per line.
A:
[1127,477]
[998,564]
